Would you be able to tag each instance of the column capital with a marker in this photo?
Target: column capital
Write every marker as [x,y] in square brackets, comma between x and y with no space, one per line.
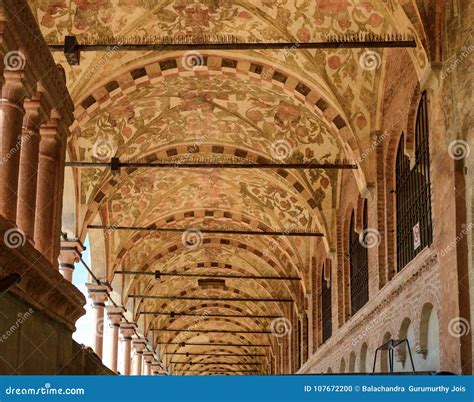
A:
[139,345]
[69,253]
[115,314]
[148,356]
[98,293]
[127,329]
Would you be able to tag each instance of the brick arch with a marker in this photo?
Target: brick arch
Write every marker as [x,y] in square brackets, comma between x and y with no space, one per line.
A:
[219,213]
[234,309]
[283,251]
[228,292]
[110,183]
[278,267]
[262,289]
[265,287]
[171,66]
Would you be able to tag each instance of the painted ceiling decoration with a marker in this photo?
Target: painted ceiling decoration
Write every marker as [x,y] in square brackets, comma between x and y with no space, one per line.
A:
[243,106]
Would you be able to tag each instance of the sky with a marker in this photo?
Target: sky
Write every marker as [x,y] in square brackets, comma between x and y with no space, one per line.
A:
[85,325]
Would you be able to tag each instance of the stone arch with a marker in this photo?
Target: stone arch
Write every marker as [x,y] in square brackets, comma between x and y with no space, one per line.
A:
[170,65]
[429,341]
[352,362]
[363,360]
[383,355]
[342,366]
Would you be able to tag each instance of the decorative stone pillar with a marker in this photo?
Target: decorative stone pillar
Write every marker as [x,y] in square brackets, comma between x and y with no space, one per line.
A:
[70,253]
[138,347]
[99,295]
[148,358]
[28,174]
[115,316]
[127,330]
[45,230]
[11,121]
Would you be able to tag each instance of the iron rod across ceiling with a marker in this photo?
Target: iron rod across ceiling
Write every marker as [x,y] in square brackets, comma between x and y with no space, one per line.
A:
[215,363]
[151,228]
[220,165]
[187,354]
[228,299]
[203,370]
[213,331]
[187,275]
[209,315]
[342,42]
[233,345]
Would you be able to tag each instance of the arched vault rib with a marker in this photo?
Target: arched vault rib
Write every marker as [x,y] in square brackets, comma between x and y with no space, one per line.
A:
[269,264]
[300,195]
[91,106]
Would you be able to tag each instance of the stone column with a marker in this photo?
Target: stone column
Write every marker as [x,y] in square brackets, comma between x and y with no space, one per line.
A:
[28,174]
[70,253]
[148,358]
[115,316]
[138,347]
[127,330]
[45,231]
[11,120]
[99,295]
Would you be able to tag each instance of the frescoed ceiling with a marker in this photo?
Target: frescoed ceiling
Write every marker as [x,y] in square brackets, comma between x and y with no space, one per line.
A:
[247,106]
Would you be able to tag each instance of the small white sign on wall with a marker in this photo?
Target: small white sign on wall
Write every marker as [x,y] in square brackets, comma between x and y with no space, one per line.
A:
[416,236]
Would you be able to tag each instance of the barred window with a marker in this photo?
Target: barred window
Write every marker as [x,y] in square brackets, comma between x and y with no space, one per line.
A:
[413,193]
[326,306]
[359,264]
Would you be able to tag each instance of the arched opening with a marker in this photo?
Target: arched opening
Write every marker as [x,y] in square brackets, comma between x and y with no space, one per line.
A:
[363,362]
[428,356]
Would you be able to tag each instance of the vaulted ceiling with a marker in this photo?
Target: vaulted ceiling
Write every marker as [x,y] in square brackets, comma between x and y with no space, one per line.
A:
[260,106]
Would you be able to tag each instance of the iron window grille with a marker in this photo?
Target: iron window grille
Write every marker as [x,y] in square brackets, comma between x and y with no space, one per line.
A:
[413,193]
[359,264]
[326,306]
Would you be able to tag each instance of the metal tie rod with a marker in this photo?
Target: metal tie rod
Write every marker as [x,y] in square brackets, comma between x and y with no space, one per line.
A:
[173,315]
[369,40]
[191,363]
[115,166]
[187,275]
[187,354]
[153,228]
[229,299]
[213,331]
[233,345]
